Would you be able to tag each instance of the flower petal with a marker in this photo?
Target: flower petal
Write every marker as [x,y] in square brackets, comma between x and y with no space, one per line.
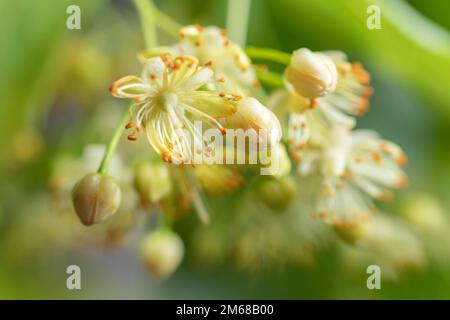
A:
[209,103]
[153,70]
[198,79]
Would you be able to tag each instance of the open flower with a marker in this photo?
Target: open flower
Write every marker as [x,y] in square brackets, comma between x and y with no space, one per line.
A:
[232,67]
[356,166]
[168,98]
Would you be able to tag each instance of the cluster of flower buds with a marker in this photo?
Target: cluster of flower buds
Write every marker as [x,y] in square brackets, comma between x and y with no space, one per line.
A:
[207,78]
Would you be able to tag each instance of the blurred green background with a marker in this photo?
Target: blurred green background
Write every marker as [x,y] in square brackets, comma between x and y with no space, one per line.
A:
[54,100]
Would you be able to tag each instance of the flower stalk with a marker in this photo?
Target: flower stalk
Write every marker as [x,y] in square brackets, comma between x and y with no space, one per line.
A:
[112,145]
[268,54]
[237,20]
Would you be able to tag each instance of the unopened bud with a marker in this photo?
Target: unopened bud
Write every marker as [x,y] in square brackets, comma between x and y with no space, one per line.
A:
[351,234]
[261,119]
[162,252]
[95,198]
[312,74]
[276,193]
[152,181]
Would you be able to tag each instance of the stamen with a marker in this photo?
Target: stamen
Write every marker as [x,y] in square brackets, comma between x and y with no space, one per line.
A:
[129,125]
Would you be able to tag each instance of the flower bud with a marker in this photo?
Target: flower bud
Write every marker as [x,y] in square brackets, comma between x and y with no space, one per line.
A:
[251,114]
[95,198]
[351,233]
[312,74]
[152,181]
[162,252]
[276,193]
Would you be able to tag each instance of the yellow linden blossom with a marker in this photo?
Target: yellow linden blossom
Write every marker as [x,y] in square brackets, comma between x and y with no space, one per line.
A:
[168,98]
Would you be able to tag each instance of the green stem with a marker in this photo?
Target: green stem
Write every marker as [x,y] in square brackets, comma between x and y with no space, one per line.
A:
[164,223]
[268,54]
[147,16]
[166,23]
[112,145]
[237,20]
[270,78]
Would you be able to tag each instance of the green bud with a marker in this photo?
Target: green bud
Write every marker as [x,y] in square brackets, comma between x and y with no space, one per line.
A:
[276,193]
[162,252]
[95,198]
[152,181]
[351,234]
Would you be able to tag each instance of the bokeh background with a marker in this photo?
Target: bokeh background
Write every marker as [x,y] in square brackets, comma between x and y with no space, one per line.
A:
[54,100]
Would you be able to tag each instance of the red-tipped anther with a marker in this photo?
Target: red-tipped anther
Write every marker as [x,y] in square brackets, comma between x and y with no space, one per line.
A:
[222,94]
[132,137]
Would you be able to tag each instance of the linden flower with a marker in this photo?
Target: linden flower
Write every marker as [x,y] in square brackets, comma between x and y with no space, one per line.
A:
[168,98]
[355,165]
[312,74]
[322,114]
[232,67]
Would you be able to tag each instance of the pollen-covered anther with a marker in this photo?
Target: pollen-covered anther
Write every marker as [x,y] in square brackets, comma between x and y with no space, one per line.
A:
[362,106]
[129,125]
[402,181]
[166,57]
[368,91]
[361,74]
[359,159]
[402,160]
[221,80]
[197,43]
[132,137]
[376,158]
[295,157]
[312,103]
[199,27]
[230,96]
[345,175]
[167,158]
[209,63]
[256,84]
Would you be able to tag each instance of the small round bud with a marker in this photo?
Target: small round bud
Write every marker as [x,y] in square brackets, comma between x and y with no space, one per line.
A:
[152,181]
[162,252]
[256,116]
[95,198]
[312,74]
[351,234]
[276,193]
